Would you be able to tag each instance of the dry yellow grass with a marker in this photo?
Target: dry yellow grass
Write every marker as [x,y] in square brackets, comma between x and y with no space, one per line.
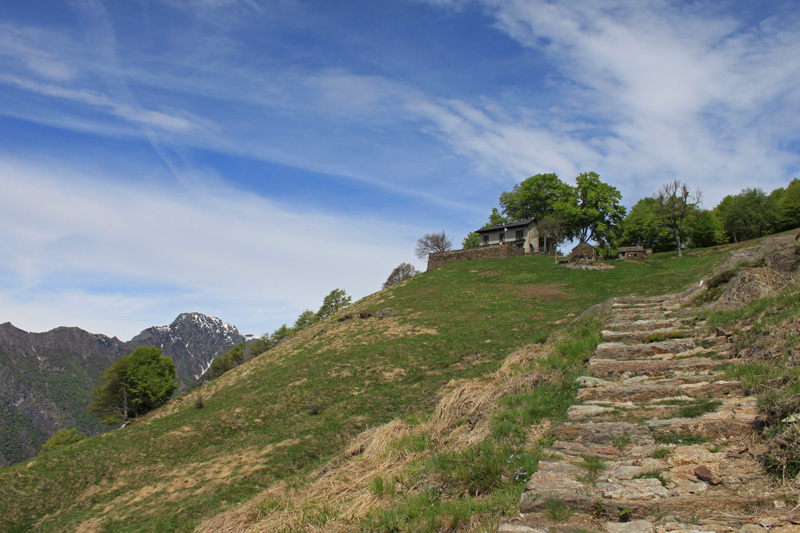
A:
[343,488]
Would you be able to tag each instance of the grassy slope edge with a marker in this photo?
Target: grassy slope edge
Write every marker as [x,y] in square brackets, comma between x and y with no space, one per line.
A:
[283,415]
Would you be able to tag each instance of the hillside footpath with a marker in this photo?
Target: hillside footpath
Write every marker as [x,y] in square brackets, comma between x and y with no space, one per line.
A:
[659,440]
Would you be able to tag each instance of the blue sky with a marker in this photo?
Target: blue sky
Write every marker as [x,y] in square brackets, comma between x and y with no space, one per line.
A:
[242,158]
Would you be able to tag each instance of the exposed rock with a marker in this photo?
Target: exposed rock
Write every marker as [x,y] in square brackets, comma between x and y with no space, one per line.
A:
[636,526]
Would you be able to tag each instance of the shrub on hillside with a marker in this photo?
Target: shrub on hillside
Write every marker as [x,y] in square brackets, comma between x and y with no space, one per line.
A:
[401,272]
[64,437]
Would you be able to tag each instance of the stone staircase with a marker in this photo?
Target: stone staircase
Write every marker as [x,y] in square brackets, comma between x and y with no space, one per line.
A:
[658,440]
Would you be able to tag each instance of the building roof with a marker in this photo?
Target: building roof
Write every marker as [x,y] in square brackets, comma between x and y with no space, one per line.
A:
[515,224]
[630,249]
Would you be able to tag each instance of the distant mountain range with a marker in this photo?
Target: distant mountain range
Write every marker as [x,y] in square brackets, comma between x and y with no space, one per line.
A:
[46,379]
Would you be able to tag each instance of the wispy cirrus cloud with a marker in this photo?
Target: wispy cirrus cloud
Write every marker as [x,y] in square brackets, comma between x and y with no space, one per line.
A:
[677,90]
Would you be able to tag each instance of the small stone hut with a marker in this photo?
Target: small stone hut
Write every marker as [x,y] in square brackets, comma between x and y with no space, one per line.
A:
[585,252]
[632,252]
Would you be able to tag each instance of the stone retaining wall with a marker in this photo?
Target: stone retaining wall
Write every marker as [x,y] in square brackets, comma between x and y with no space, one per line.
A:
[499,251]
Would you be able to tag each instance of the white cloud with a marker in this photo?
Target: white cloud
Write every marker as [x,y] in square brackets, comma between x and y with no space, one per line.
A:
[677,90]
[23,44]
[146,117]
[74,240]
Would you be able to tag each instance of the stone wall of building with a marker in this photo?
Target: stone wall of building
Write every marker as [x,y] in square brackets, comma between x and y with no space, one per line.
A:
[499,251]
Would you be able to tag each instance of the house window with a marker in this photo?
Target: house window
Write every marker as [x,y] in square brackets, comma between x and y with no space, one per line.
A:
[519,236]
[502,238]
[485,239]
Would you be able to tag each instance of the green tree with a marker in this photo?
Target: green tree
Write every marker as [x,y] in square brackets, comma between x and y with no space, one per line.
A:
[678,206]
[644,226]
[593,209]
[305,319]
[706,230]
[472,240]
[552,229]
[747,215]
[281,334]
[226,361]
[495,219]
[335,300]
[133,385]
[535,197]
[62,438]
[789,207]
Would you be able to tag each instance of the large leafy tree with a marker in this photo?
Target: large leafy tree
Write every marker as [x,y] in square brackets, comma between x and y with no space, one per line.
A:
[678,207]
[706,230]
[789,214]
[553,229]
[593,209]
[644,226]
[747,215]
[536,198]
[133,385]
[496,218]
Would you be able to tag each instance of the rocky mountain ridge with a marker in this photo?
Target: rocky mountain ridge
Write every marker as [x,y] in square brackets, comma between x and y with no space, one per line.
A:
[46,378]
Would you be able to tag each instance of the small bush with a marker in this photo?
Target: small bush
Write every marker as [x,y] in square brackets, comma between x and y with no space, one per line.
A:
[481,469]
[62,438]
[198,402]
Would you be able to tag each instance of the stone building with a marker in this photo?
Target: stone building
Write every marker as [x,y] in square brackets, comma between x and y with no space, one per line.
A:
[520,234]
[632,252]
[585,252]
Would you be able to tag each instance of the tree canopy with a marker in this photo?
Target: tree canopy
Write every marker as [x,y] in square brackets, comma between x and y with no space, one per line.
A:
[472,240]
[536,197]
[644,226]
[789,213]
[133,385]
[748,214]
[593,209]
[335,300]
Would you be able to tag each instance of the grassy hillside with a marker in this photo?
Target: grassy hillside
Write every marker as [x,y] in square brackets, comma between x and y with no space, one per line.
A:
[281,416]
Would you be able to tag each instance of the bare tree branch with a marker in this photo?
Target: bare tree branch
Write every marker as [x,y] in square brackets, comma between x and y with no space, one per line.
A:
[678,205]
[432,243]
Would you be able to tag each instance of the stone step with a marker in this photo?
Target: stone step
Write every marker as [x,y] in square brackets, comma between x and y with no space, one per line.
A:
[634,337]
[619,350]
[648,392]
[603,434]
[736,417]
[615,368]
[645,325]
[637,314]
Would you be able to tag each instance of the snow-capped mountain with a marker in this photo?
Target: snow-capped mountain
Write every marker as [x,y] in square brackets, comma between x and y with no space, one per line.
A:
[192,340]
[46,379]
